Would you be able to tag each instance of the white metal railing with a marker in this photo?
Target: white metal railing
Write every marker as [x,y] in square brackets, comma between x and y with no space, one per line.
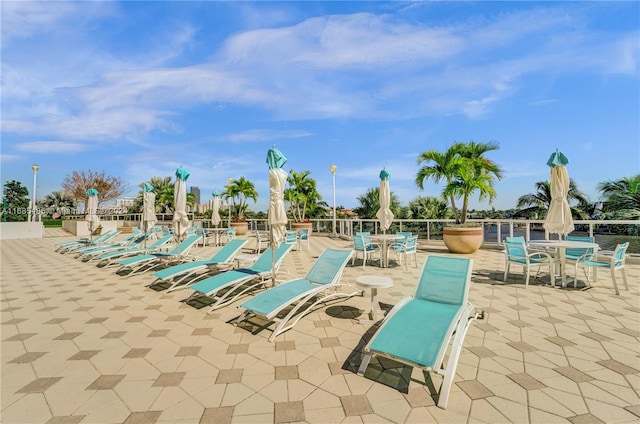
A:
[495,230]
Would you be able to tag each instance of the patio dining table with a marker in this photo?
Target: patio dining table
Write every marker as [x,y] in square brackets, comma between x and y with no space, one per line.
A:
[215,233]
[560,247]
[384,239]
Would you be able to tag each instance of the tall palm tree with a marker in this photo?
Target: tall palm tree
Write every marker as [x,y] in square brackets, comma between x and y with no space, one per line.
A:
[369,203]
[59,203]
[622,197]
[427,207]
[535,205]
[240,191]
[465,170]
[163,189]
[301,194]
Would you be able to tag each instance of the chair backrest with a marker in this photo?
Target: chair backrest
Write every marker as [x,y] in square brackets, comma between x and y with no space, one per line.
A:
[359,243]
[185,245]
[410,244]
[363,233]
[304,234]
[228,250]
[577,252]
[515,249]
[404,234]
[445,279]
[161,241]
[265,263]
[619,253]
[519,239]
[329,265]
[291,237]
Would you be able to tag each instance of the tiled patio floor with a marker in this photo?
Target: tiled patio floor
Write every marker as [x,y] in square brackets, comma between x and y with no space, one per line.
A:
[82,345]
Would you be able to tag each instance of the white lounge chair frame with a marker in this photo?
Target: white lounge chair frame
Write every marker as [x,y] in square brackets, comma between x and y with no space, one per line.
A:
[304,298]
[454,336]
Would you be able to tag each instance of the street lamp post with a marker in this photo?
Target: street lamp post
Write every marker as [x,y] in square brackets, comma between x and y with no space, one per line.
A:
[229,181]
[35,169]
[333,169]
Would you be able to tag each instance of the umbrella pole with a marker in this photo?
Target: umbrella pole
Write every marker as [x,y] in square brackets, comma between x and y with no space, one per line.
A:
[273,257]
[178,239]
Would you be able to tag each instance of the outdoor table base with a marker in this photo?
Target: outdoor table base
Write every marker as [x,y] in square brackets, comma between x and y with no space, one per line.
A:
[384,239]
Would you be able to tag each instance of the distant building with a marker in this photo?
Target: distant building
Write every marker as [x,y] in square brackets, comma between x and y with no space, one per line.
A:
[196,193]
[120,206]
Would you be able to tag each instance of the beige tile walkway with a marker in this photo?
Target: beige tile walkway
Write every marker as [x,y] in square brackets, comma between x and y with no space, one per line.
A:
[82,345]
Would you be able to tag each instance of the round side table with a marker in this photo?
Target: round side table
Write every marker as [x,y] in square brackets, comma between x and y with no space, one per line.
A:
[374,282]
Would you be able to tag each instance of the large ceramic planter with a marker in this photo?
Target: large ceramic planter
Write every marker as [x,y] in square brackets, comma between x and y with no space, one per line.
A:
[299,225]
[463,239]
[241,227]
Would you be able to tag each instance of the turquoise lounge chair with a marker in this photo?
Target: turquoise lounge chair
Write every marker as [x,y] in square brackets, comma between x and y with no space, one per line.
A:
[419,329]
[300,296]
[141,263]
[103,238]
[226,287]
[135,239]
[177,274]
[110,258]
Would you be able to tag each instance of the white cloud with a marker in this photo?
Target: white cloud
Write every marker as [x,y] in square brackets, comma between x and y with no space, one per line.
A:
[337,66]
[62,147]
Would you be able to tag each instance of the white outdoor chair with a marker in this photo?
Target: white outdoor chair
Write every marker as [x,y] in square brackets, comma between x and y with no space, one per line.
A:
[362,245]
[612,260]
[515,251]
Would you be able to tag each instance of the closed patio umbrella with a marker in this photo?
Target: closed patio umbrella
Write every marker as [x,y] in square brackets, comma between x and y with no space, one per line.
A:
[277,216]
[384,214]
[149,218]
[92,218]
[277,179]
[215,208]
[180,217]
[559,220]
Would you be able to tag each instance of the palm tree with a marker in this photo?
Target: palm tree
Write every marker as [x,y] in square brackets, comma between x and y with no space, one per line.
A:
[242,190]
[535,205]
[301,194]
[622,197]
[59,203]
[464,169]
[429,207]
[369,203]
[163,189]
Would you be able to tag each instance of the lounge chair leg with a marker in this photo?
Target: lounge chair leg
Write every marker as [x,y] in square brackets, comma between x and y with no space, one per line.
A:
[365,363]
[241,318]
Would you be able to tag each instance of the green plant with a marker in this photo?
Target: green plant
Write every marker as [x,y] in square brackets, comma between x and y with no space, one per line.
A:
[621,197]
[15,202]
[465,170]
[301,194]
[239,191]
[535,205]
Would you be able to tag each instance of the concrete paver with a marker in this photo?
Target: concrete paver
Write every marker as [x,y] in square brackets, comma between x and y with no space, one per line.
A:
[83,345]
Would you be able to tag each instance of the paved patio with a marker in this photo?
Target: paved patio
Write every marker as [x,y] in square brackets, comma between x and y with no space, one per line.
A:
[82,345]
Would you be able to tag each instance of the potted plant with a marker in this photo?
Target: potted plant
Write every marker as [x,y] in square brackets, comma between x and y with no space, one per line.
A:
[301,195]
[239,191]
[464,169]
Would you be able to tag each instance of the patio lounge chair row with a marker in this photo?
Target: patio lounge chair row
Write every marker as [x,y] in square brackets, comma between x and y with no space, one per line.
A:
[425,331]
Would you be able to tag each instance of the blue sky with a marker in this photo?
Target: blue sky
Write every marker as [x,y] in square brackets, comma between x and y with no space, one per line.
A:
[137,89]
